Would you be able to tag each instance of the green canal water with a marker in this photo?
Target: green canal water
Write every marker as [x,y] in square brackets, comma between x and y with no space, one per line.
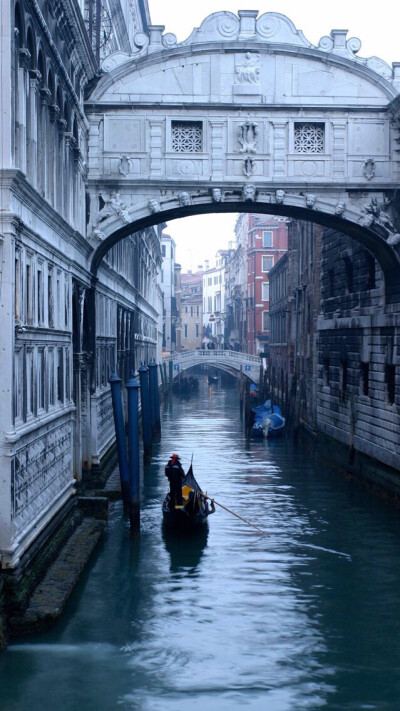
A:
[307,617]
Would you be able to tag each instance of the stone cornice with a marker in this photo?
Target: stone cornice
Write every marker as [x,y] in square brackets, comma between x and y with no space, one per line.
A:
[16,181]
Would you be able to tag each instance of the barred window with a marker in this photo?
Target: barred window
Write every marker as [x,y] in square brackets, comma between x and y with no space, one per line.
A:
[187,136]
[309,137]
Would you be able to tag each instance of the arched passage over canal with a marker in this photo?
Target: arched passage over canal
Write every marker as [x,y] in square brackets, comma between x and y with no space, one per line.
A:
[233,619]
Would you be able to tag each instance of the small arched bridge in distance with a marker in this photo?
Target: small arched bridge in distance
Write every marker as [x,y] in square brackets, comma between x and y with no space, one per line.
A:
[232,362]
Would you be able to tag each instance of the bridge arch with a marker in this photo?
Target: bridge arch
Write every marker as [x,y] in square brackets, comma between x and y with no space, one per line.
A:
[246,115]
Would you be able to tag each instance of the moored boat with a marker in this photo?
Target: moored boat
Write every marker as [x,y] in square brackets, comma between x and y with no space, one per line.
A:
[268,420]
[192,514]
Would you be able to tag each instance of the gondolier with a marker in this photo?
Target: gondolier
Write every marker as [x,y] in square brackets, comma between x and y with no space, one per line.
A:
[175,474]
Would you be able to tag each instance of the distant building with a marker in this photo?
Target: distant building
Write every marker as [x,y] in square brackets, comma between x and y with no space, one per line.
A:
[214,300]
[167,284]
[264,242]
[191,309]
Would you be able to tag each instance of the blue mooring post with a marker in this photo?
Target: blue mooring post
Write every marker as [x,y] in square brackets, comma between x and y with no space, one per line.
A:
[152,390]
[158,416]
[144,400]
[132,387]
[115,383]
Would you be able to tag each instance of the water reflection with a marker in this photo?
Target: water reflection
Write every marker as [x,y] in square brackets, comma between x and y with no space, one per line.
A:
[185,552]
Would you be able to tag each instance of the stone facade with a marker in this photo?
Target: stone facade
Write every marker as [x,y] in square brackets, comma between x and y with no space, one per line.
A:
[191,309]
[62,330]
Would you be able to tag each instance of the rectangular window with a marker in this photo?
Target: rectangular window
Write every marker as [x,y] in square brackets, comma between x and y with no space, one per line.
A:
[209,281]
[50,375]
[265,320]
[309,137]
[216,280]
[40,297]
[185,330]
[197,330]
[17,292]
[28,294]
[265,291]
[267,262]
[60,374]
[209,304]
[390,380]
[163,250]
[50,299]
[267,238]
[187,136]
[40,379]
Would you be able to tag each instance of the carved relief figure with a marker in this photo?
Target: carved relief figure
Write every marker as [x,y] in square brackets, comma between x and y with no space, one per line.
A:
[310,200]
[153,205]
[248,167]
[340,207]
[247,134]
[125,165]
[113,206]
[216,194]
[375,212]
[279,196]
[369,169]
[249,71]
[249,193]
[184,199]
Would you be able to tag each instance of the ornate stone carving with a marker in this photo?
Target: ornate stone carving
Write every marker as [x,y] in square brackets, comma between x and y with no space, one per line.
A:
[369,169]
[249,71]
[248,167]
[340,207]
[279,196]
[249,193]
[125,165]
[247,135]
[216,194]
[184,199]
[154,205]
[375,213]
[310,200]
[113,206]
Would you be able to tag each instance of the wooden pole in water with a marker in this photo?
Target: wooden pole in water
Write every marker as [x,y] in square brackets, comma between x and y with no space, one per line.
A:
[133,387]
[265,533]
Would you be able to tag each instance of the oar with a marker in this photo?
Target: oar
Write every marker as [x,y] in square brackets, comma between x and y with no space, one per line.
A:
[264,533]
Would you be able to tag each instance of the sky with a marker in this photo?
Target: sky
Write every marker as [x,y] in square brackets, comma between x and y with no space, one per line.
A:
[376,25]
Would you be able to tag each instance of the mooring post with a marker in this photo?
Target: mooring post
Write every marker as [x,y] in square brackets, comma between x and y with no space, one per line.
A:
[157,400]
[171,374]
[152,391]
[162,377]
[247,414]
[144,401]
[132,387]
[165,378]
[241,390]
[115,384]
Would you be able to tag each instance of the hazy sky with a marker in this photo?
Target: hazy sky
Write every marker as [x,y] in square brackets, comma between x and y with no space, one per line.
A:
[376,25]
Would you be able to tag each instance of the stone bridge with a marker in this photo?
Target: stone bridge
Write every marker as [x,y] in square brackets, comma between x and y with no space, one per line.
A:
[246,115]
[229,361]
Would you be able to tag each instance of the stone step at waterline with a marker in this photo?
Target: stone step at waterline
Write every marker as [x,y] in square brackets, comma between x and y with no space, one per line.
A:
[49,598]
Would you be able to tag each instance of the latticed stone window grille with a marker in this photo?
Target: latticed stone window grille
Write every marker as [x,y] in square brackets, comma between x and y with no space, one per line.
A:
[187,136]
[309,137]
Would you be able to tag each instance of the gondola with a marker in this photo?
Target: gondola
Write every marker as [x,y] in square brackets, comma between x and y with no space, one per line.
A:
[193,513]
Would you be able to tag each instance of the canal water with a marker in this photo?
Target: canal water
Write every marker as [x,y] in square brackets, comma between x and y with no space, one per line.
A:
[307,617]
